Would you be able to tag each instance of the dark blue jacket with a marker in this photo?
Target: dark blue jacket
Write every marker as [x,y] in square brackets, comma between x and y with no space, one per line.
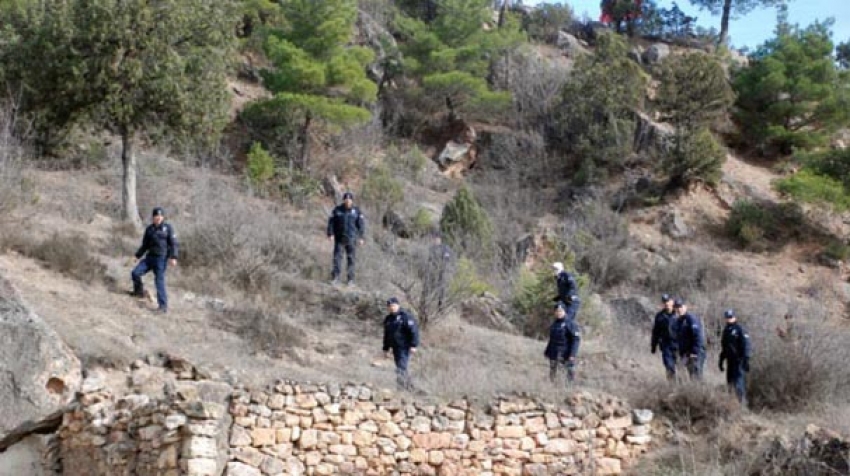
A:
[688,329]
[346,224]
[572,307]
[663,333]
[567,286]
[735,344]
[159,241]
[564,339]
[400,331]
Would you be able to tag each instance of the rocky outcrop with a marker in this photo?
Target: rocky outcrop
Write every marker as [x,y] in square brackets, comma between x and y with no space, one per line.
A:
[570,45]
[459,153]
[39,374]
[673,225]
[651,135]
[487,311]
[656,53]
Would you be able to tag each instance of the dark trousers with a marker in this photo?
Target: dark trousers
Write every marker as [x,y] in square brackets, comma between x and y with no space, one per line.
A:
[158,265]
[350,250]
[668,357]
[695,365]
[553,369]
[735,379]
[402,358]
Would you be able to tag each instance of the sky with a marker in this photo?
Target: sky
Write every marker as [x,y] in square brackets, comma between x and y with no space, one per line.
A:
[750,30]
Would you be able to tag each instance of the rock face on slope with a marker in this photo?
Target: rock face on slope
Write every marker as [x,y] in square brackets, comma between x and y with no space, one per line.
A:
[39,374]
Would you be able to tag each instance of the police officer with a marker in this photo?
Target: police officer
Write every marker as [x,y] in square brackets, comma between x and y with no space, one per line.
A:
[401,335]
[691,339]
[735,351]
[566,283]
[159,247]
[564,340]
[346,228]
[663,337]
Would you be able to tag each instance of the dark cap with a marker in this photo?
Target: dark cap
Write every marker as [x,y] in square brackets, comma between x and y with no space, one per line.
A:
[729,314]
[392,300]
[666,297]
[560,305]
[347,195]
[158,212]
[679,303]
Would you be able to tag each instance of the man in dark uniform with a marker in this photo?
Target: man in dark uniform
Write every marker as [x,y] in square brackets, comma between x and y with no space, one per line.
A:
[735,350]
[662,336]
[691,339]
[401,335]
[346,228]
[566,283]
[159,247]
[564,341]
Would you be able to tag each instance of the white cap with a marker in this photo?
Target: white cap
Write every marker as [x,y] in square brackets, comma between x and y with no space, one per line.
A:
[559,266]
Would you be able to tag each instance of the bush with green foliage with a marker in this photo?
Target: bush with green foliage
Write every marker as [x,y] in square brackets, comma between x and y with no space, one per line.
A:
[547,20]
[595,120]
[762,226]
[422,222]
[696,156]
[467,281]
[792,97]
[810,187]
[260,165]
[466,227]
[381,190]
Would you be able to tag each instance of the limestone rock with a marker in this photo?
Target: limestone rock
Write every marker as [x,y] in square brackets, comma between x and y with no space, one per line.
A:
[569,44]
[656,53]
[642,416]
[39,374]
[240,469]
[673,224]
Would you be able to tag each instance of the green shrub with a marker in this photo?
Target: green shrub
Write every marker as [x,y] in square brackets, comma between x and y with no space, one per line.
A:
[837,250]
[545,21]
[466,226]
[696,156]
[381,190]
[811,187]
[759,226]
[260,165]
[422,222]
[467,282]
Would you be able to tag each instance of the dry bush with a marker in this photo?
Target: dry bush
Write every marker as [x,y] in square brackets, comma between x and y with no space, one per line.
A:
[692,406]
[806,368]
[599,237]
[694,271]
[64,253]
[15,189]
[535,83]
[245,244]
[267,332]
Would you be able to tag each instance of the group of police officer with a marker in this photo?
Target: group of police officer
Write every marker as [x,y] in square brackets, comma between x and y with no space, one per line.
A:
[676,332]
[680,336]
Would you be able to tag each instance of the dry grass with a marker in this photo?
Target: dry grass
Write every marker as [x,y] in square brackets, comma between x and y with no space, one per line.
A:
[266,331]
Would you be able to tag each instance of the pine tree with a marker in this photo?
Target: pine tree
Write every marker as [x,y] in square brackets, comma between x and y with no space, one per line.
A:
[793,95]
[728,9]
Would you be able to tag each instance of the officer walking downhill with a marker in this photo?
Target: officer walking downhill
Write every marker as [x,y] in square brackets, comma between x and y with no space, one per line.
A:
[663,336]
[566,283]
[735,352]
[346,228]
[564,340]
[401,335]
[691,338]
[159,247]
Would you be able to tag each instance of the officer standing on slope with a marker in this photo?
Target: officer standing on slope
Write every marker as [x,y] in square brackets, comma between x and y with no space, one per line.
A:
[688,330]
[346,228]
[736,352]
[564,340]
[663,337]
[401,335]
[159,248]
[566,283]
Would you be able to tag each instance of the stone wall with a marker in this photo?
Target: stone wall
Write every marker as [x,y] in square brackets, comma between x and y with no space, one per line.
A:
[202,428]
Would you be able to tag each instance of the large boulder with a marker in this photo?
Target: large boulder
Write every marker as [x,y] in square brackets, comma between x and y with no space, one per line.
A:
[651,136]
[569,44]
[39,374]
[656,53]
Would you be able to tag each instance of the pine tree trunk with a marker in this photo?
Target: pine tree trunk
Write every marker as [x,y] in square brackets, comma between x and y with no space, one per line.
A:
[128,190]
[305,141]
[724,22]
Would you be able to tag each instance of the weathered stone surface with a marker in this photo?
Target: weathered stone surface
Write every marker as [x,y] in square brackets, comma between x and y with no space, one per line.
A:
[608,466]
[39,374]
[31,456]
[656,53]
[642,417]
[240,469]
